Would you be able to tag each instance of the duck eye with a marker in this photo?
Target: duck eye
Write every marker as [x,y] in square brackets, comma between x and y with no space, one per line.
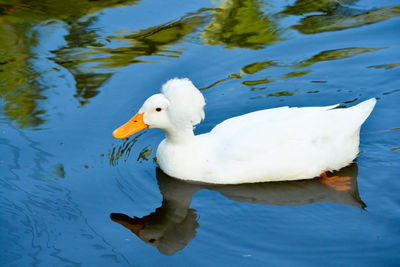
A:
[158,109]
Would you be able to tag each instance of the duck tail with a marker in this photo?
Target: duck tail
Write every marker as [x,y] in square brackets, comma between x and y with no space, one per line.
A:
[364,109]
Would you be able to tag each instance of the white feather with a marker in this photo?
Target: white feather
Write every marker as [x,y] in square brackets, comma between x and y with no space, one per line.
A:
[187,103]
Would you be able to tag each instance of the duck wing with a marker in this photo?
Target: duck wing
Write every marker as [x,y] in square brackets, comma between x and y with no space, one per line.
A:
[275,140]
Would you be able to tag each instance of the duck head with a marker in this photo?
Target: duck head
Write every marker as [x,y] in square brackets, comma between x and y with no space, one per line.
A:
[179,106]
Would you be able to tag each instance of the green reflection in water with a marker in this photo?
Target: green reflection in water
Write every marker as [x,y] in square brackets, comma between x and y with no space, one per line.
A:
[59,170]
[301,7]
[320,57]
[278,94]
[92,59]
[334,55]
[20,89]
[350,101]
[252,83]
[258,66]
[145,154]
[295,74]
[391,92]
[241,23]
[230,77]
[385,66]
[153,41]
[254,89]
[337,17]
[92,63]
[122,150]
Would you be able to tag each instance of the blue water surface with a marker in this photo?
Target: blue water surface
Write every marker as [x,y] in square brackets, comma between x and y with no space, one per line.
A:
[70,73]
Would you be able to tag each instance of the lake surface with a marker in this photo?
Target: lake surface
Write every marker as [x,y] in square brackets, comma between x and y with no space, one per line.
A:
[71,195]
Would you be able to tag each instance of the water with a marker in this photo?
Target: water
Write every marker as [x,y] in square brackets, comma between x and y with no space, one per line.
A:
[70,74]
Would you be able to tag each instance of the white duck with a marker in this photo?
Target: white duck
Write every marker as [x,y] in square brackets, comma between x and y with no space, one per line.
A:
[268,145]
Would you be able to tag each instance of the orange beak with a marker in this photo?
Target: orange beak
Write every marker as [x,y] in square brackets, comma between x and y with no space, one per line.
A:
[134,125]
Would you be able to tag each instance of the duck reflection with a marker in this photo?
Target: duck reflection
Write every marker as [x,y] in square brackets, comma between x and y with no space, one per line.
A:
[173,225]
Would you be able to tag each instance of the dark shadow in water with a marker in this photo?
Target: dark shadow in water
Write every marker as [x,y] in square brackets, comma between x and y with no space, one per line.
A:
[173,225]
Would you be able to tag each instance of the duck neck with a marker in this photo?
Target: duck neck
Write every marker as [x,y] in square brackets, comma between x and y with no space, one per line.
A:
[177,135]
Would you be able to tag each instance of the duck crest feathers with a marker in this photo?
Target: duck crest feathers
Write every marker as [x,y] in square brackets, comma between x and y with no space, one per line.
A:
[187,103]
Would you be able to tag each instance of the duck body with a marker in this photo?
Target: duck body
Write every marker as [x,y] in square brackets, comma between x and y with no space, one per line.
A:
[268,145]
[276,144]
